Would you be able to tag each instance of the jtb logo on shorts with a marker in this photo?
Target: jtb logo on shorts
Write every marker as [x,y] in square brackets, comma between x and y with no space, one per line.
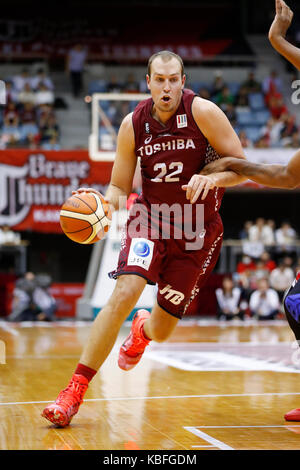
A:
[140,253]
[172,295]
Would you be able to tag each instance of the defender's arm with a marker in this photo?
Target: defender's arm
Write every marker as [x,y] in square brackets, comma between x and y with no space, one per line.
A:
[215,126]
[277,33]
[274,176]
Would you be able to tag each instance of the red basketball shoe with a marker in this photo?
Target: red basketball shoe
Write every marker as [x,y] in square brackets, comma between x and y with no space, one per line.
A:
[134,345]
[67,403]
[293,415]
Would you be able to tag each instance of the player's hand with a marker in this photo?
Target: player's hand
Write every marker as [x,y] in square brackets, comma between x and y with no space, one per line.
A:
[282,20]
[223,164]
[88,190]
[198,184]
[92,190]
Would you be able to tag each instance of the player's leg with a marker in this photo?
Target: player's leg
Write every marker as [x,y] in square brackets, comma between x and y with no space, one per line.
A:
[103,335]
[146,326]
[108,323]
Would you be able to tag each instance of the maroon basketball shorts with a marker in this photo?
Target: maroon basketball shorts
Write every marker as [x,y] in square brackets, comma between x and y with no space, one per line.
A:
[178,273]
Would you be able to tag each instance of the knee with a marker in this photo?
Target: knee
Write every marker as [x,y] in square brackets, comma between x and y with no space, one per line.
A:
[126,293]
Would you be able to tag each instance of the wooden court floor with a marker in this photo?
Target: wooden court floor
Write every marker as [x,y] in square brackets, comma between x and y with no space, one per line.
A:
[212,386]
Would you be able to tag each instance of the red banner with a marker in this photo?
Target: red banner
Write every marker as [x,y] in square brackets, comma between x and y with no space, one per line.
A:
[34,184]
[66,296]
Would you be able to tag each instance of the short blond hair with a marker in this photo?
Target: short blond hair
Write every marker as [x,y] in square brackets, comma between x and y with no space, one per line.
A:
[165,57]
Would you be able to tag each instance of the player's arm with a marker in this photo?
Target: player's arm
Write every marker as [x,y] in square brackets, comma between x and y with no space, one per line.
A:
[277,33]
[120,185]
[217,129]
[274,176]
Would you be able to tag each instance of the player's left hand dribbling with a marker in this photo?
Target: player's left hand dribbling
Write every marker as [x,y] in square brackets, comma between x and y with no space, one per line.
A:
[198,184]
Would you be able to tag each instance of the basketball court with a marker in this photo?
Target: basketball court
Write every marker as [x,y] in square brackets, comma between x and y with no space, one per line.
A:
[212,386]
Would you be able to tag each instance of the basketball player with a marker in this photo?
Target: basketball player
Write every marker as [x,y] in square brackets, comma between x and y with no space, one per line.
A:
[276,176]
[175,133]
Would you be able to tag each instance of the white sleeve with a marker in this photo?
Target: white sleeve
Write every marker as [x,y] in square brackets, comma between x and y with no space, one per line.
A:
[273,299]
[253,302]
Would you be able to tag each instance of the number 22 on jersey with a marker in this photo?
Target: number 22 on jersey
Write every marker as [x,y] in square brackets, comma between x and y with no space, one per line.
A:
[164,174]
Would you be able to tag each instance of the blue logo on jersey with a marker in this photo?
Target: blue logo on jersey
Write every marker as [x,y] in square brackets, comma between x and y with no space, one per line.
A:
[141,249]
[292,303]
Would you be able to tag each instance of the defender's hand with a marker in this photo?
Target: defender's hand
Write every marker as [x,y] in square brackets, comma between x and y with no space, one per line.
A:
[282,20]
[197,185]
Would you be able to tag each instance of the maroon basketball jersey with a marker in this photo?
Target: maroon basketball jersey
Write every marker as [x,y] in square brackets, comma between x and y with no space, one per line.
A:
[170,155]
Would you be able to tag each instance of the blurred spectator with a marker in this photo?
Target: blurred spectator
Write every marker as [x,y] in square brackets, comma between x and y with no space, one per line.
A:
[51,144]
[8,236]
[242,99]
[272,84]
[271,131]
[244,233]
[32,300]
[41,78]
[231,114]
[261,232]
[11,114]
[285,237]
[43,95]
[11,93]
[289,127]
[224,98]
[293,141]
[20,80]
[276,106]
[218,83]
[264,302]
[44,112]
[246,264]
[251,85]
[43,298]
[30,135]
[268,263]
[114,86]
[229,303]
[261,272]
[10,135]
[131,85]
[281,278]
[27,95]
[28,113]
[49,129]
[262,142]
[75,62]
[23,308]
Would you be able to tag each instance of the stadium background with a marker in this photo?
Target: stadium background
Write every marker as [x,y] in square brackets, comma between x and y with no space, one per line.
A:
[217,36]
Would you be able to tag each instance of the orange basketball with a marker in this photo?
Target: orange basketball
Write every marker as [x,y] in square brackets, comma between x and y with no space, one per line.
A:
[85,218]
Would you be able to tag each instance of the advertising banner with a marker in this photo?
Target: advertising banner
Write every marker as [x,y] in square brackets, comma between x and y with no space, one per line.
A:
[34,185]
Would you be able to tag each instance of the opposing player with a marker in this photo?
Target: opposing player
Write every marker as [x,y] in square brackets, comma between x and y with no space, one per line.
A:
[175,133]
[275,176]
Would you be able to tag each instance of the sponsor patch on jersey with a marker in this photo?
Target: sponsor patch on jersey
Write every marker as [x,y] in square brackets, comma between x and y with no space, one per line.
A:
[174,296]
[181,120]
[140,253]
[147,127]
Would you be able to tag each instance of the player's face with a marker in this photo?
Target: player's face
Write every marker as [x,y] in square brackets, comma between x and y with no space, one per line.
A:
[166,84]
